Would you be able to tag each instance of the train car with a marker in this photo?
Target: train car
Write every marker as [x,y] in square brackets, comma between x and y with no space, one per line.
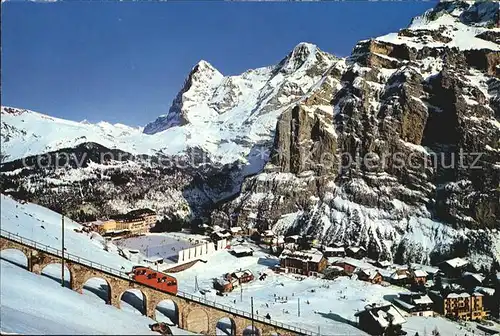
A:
[159,280]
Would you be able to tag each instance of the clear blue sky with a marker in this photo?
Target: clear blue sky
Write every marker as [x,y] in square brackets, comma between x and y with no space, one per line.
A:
[124,62]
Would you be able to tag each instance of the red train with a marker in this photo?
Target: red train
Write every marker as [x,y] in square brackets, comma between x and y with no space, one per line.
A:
[150,277]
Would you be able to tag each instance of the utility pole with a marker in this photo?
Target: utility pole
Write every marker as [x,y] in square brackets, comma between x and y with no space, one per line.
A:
[253,327]
[298,306]
[62,253]
[241,293]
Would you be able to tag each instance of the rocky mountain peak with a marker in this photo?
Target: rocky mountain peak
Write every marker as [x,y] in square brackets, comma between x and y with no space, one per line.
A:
[203,74]
[472,13]
[305,57]
[302,53]
[198,87]
[203,66]
[12,110]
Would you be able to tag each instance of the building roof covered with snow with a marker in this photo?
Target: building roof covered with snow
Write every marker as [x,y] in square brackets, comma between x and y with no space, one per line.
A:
[404,304]
[456,262]
[485,290]
[309,255]
[268,233]
[457,295]
[420,273]
[356,249]
[154,259]
[370,273]
[427,268]
[351,261]
[221,281]
[383,315]
[222,234]
[384,263]
[424,299]
[241,249]
[334,249]
[335,268]
[241,273]
[478,277]
[412,300]
[398,276]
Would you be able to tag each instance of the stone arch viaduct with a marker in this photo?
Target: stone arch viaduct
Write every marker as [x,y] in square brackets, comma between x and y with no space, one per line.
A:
[193,313]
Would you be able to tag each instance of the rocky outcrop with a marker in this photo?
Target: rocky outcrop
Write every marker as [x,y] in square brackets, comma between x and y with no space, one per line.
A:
[303,139]
[485,60]
[493,36]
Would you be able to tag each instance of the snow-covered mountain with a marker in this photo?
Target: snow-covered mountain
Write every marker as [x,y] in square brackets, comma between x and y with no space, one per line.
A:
[429,91]
[221,126]
[268,148]
[233,113]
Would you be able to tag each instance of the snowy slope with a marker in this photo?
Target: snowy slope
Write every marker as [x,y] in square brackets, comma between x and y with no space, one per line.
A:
[34,304]
[24,301]
[44,226]
[457,27]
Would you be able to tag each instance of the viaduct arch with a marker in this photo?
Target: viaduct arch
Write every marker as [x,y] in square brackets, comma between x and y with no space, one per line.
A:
[192,313]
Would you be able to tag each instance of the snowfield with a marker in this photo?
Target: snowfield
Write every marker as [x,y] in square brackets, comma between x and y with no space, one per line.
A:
[166,246]
[461,36]
[44,226]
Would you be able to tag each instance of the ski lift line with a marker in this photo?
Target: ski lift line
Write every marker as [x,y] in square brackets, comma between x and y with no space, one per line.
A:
[74,258]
